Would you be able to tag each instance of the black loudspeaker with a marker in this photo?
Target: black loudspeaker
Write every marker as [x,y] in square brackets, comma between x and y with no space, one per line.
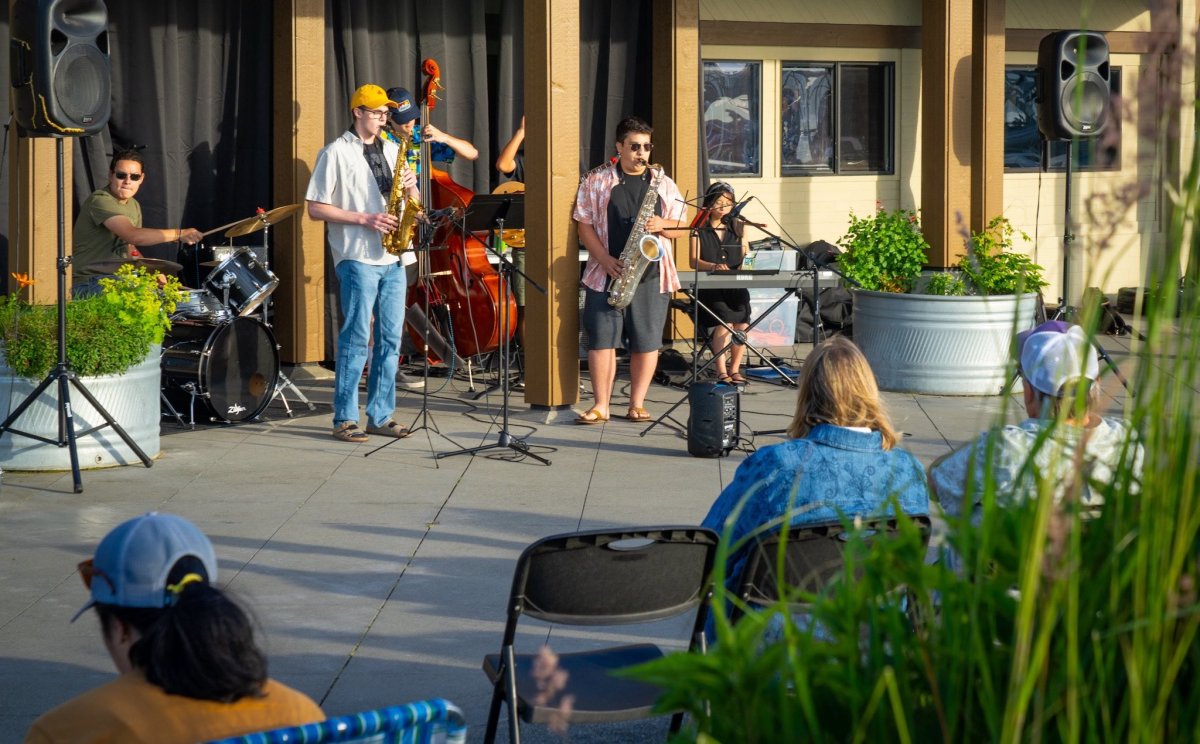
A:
[59,62]
[1073,94]
[714,420]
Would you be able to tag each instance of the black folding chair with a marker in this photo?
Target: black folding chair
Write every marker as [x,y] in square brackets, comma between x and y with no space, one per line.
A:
[814,555]
[602,577]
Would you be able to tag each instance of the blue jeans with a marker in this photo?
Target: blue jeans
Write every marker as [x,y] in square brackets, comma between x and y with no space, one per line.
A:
[368,291]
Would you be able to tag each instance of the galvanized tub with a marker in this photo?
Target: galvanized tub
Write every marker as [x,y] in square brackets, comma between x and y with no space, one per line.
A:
[131,399]
[940,345]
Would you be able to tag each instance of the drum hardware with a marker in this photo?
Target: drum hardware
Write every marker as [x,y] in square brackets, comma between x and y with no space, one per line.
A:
[281,381]
[111,266]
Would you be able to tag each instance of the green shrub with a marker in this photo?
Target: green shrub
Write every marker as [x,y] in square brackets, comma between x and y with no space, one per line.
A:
[884,252]
[106,333]
[990,266]
[946,284]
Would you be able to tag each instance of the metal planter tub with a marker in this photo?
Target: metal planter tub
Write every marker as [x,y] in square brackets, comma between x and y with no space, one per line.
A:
[939,345]
[130,398]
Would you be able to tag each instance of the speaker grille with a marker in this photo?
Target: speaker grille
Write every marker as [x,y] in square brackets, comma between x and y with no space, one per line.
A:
[80,84]
[1085,104]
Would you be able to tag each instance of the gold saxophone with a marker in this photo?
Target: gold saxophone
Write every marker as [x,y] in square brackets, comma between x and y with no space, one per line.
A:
[404,208]
[641,249]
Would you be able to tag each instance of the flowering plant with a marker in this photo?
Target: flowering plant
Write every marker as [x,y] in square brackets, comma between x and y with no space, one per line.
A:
[106,333]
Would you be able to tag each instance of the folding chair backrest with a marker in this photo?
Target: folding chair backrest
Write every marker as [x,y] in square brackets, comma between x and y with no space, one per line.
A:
[613,577]
[422,722]
[814,555]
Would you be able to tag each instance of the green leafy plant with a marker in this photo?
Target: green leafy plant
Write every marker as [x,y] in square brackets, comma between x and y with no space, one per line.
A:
[947,284]
[884,252]
[106,333]
[992,268]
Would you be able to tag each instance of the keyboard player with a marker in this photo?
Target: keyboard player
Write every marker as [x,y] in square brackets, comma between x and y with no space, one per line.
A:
[719,243]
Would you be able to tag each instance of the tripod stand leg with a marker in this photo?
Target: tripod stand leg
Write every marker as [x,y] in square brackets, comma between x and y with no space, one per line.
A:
[162,398]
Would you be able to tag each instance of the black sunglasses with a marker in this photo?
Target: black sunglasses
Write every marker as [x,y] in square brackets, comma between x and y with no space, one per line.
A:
[638,146]
[122,175]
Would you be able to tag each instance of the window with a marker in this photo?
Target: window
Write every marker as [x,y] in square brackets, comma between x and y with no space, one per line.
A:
[732,112]
[1024,148]
[838,118]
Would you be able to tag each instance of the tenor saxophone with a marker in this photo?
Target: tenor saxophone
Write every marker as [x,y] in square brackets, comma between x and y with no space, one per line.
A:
[403,207]
[641,249]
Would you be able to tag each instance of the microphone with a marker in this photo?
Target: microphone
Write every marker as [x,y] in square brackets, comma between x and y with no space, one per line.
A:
[440,214]
[735,214]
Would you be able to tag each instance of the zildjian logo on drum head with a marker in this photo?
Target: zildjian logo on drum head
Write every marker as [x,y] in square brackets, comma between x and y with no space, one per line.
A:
[235,409]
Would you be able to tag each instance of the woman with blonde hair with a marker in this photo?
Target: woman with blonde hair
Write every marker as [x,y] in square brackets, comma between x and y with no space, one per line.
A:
[841,462]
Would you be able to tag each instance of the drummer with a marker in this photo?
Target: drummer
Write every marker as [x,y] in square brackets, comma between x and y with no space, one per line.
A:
[109,225]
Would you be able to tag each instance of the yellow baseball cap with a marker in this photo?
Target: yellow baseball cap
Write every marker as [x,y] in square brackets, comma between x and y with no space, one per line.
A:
[372,97]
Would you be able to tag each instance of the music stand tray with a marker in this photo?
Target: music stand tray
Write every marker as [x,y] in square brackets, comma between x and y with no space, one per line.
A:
[486,210]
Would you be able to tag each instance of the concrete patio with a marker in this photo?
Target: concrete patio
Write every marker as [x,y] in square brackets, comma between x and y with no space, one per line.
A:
[382,579]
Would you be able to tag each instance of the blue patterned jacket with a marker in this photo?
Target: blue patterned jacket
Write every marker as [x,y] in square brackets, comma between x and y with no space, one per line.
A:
[833,471]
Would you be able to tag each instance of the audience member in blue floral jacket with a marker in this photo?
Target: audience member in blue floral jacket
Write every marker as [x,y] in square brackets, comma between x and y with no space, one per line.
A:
[841,460]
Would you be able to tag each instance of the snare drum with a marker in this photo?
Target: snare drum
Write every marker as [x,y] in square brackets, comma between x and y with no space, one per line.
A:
[248,282]
[199,304]
[231,368]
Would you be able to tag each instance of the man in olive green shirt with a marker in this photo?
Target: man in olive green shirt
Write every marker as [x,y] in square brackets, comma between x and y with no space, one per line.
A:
[109,225]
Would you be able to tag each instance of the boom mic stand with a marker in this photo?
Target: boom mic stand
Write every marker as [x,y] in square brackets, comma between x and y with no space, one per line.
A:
[488,210]
[62,372]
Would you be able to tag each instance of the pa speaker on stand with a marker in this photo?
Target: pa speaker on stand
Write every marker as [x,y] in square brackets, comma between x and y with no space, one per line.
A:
[1073,84]
[59,66]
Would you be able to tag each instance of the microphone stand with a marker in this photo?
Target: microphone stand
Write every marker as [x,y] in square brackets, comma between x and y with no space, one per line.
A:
[62,374]
[498,209]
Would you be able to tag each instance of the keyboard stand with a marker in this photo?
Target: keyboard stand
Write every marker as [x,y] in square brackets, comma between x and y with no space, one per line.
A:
[735,337]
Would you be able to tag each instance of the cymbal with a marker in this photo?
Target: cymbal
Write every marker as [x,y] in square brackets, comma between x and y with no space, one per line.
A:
[110,266]
[259,221]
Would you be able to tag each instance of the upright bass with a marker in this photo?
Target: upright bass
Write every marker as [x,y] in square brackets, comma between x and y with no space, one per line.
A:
[460,279]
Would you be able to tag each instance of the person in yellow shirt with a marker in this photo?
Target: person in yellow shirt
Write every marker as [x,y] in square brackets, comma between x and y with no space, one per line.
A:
[189,667]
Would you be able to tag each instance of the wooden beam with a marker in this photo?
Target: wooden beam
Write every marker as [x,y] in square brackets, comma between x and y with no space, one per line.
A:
[298,243]
[987,115]
[33,213]
[946,120]
[835,35]
[551,180]
[1119,42]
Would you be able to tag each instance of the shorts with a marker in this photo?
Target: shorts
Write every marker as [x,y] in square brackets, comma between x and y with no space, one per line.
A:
[642,321]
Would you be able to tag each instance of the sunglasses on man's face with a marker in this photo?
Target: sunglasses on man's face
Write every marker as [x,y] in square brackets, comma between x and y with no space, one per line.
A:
[88,572]
[122,176]
[639,146]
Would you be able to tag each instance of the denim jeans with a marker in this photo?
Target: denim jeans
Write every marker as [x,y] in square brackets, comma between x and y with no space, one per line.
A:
[378,292]
[89,286]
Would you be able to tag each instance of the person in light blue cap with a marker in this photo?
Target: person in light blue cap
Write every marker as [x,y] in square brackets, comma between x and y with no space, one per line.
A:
[189,668]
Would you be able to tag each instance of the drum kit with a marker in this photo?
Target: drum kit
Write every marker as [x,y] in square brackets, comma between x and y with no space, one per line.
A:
[217,352]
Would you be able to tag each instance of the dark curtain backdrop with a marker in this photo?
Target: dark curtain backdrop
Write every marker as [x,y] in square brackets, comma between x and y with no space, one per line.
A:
[191,82]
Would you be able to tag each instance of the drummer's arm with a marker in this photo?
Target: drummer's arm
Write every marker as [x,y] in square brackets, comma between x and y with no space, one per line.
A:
[120,226]
[325,212]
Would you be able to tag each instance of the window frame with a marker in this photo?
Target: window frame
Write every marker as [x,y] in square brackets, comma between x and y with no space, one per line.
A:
[837,89]
[754,110]
[1049,151]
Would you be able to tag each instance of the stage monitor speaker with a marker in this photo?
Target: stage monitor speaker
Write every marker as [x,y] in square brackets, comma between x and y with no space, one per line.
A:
[59,64]
[1073,79]
[714,419]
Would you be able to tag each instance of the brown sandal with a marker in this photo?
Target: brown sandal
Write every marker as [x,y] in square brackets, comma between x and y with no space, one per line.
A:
[591,417]
[638,414]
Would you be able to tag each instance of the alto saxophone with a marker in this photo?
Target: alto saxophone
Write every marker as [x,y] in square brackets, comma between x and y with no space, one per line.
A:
[404,208]
[641,249]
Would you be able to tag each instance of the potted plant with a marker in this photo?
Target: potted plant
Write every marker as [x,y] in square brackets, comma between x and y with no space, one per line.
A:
[113,344]
[946,334]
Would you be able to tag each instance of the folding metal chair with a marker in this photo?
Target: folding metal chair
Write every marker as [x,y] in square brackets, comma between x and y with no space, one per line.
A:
[814,555]
[422,722]
[603,577]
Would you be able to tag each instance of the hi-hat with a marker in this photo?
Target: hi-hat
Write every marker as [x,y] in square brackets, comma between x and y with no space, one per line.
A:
[261,220]
[110,266]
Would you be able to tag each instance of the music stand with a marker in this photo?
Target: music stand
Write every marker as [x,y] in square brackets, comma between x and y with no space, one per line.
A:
[62,372]
[490,212]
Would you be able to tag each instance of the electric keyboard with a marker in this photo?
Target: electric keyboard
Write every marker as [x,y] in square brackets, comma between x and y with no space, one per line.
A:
[757,279]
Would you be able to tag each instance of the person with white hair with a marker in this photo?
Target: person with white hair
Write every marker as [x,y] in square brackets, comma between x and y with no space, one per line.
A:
[1058,366]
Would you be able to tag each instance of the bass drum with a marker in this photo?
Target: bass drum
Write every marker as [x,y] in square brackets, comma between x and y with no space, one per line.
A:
[231,368]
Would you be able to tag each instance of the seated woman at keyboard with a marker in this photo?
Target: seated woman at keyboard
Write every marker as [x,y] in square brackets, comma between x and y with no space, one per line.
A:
[719,244]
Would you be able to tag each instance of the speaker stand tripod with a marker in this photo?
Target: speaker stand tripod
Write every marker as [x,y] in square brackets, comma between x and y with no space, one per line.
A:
[62,374]
[481,208]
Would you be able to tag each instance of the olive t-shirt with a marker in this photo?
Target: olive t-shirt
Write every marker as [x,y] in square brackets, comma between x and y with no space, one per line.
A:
[91,241]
